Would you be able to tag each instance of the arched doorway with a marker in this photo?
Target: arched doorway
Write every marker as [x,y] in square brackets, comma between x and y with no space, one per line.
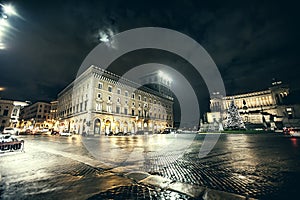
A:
[107,127]
[133,128]
[155,128]
[117,127]
[97,126]
[83,127]
[125,128]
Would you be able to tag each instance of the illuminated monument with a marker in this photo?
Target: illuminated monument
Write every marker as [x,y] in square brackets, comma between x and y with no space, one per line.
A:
[264,109]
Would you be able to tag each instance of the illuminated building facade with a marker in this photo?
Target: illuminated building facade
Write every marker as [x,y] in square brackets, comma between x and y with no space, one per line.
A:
[265,107]
[36,115]
[10,112]
[53,110]
[100,102]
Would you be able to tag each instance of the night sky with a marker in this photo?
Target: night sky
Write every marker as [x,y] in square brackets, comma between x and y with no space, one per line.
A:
[251,42]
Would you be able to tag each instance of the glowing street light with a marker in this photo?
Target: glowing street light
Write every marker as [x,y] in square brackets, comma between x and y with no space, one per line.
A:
[8,9]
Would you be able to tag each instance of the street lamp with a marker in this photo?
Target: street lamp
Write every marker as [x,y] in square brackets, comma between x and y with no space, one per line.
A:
[6,11]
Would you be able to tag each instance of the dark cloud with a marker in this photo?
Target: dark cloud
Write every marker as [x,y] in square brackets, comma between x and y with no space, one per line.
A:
[251,42]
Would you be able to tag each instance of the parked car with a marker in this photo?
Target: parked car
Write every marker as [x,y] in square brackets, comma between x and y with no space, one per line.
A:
[294,132]
[6,138]
[54,132]
[65,134]
[169,131]
[10,130]
[10,143]
[27,132]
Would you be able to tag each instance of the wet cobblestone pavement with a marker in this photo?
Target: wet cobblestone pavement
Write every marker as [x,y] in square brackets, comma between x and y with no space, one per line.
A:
[139,192]
[259,168]
[265,166]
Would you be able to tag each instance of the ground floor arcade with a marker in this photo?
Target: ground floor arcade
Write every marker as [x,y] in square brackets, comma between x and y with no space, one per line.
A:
[97,124]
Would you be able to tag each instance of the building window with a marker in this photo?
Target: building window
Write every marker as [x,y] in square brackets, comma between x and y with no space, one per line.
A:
[150,101]
[140,98]
[154,102]
[110,88]
[117,109]
[125,111]
[126,93]
[109,98]
[99,95]
[5,113]
[133,103]
[118,91]
[100,85]
[133,96]
[126,102]
[81,107]
[118,100]
[132,112]
[109,108]
[145,98]
[85,105]
[99,107]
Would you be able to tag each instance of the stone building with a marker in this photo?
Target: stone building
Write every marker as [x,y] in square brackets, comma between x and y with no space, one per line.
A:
[53,111]
[10,112]
[100,102]
[36,115]
[266,108]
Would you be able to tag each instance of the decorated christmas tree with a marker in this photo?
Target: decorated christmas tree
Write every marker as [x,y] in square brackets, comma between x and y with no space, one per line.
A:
[233,120]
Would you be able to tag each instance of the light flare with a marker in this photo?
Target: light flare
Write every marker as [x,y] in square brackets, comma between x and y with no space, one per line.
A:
[9,9]
[106,36]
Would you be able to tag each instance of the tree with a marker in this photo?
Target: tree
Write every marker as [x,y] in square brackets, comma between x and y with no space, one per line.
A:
[233,120]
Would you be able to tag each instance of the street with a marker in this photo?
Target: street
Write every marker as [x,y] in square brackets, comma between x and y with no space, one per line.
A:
[259,166]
